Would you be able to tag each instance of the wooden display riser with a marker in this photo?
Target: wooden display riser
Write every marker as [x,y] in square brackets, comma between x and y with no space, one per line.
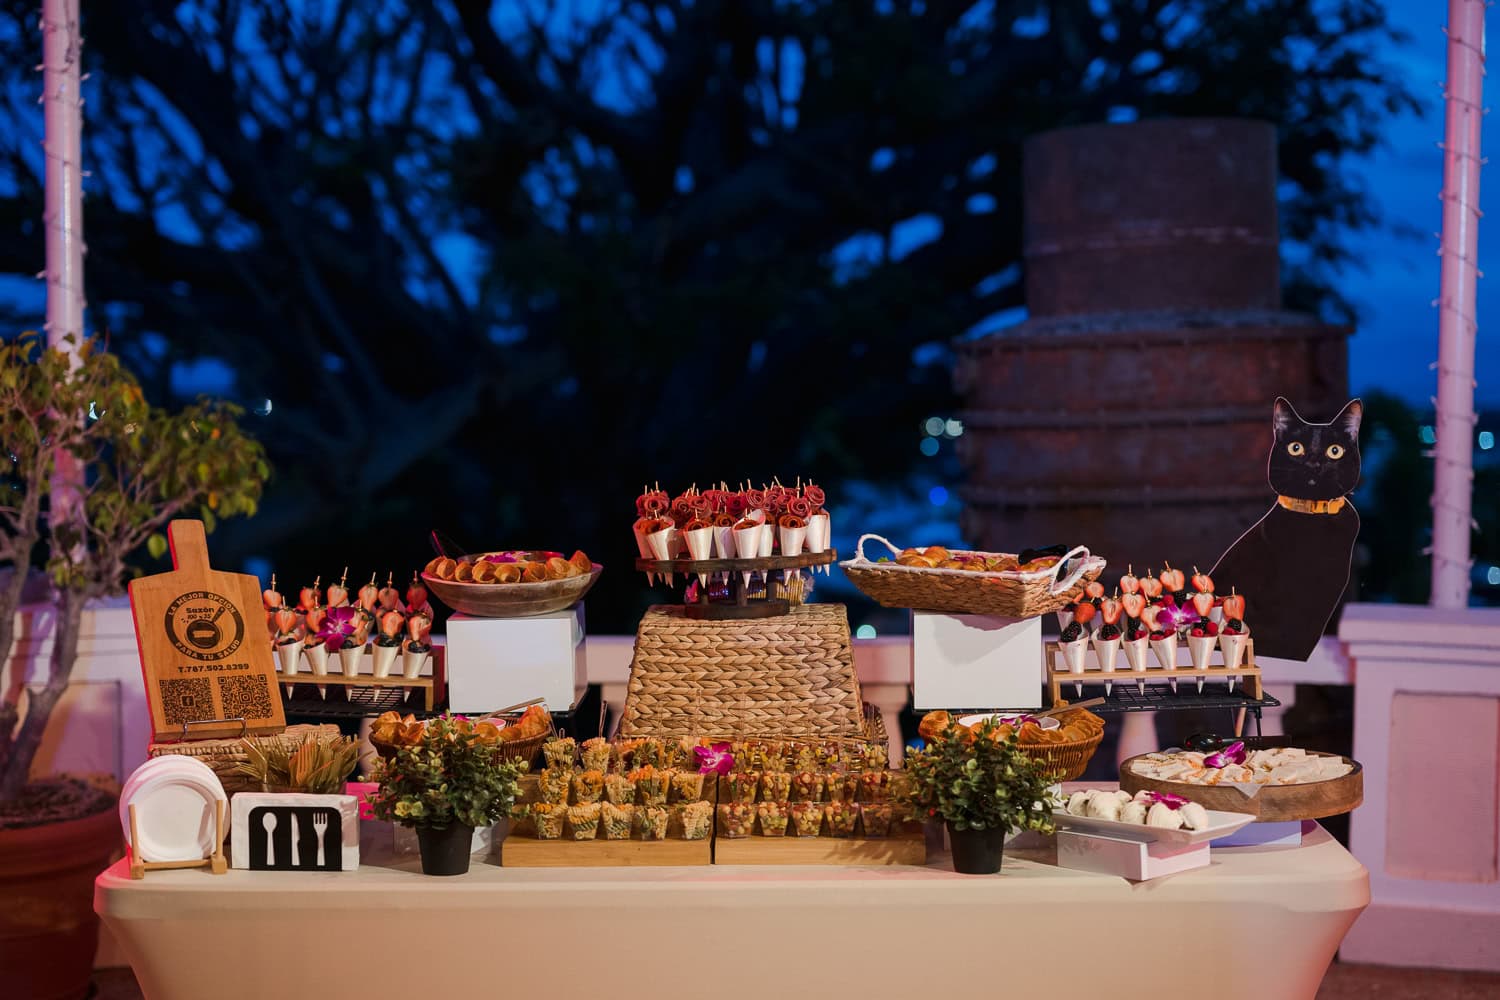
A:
[425,684]
[906,848]
[529,852]
[1058,674]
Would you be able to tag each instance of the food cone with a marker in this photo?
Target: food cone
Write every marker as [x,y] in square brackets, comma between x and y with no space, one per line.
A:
[349,658]
[792,540]
[1166,655]
[1201,649]
[317,658]
[290,656]
[1136,651]
[1107,650]
[746,546]
[411,661]
[1233,647]
[661,546]
[818,532]
[1075,654]
[643,546]
[724,542]
[700,543]
[382,657]
[767,540]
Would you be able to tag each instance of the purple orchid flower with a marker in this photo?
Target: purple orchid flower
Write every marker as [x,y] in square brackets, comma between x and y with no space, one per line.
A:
[1234,753]
[1168,799]
[715,759]
[338,628]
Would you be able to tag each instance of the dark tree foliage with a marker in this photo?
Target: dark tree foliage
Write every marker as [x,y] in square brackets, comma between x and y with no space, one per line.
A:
[498,264]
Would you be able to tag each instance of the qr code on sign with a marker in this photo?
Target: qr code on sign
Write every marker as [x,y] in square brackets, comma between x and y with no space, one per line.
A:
[245,697]
[186,700]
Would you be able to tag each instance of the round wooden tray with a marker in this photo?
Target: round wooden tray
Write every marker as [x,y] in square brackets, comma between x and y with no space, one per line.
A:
[1273,803]
[824,558]
[512,600]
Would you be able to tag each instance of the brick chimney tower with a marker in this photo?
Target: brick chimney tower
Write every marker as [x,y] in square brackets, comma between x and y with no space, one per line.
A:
[1131,411]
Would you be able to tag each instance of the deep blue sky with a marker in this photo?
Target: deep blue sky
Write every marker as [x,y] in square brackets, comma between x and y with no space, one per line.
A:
[1397,336]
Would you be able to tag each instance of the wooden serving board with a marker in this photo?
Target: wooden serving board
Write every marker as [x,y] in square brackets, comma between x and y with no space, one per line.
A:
[905,848]
[1272,804]
[529,852]
[205,653]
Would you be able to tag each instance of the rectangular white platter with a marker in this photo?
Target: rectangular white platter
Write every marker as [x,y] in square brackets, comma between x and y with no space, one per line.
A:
[1220,824]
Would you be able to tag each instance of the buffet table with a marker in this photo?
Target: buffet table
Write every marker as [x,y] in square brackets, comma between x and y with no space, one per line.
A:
[1258,922]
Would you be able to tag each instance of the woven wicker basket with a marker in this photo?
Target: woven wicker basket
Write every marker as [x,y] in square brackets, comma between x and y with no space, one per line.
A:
[223,754]
[525,750]
[1009,594]
[1065,761]
[790,676]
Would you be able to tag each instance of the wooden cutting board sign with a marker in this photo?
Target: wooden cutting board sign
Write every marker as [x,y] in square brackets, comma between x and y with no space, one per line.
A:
[205,653]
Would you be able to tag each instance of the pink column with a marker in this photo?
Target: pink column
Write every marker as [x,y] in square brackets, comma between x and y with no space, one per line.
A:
[62,103]
[1453,476]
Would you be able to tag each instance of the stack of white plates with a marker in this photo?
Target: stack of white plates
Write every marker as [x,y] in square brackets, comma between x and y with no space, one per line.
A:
[174,800]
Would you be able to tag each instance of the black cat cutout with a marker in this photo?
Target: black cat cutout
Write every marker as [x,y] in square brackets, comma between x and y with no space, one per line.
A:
[1293,565]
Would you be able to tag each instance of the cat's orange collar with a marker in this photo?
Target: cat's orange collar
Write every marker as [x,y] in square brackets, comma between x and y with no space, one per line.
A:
[1312,506]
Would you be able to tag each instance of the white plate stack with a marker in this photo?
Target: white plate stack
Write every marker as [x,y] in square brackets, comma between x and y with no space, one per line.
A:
[174,799]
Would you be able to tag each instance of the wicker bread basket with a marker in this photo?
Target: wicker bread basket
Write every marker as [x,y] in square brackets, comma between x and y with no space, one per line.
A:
[1009,594]
[223,754]
[1064,761]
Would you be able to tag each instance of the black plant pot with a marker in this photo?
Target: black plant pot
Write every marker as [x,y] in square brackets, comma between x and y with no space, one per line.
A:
[976,852]
[445,851]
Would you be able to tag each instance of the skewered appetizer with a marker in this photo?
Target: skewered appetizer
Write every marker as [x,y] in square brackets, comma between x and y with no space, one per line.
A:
[732,524]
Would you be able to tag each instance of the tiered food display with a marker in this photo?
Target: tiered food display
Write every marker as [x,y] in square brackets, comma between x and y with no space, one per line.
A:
[1150,618]
[740,552]
[326,628]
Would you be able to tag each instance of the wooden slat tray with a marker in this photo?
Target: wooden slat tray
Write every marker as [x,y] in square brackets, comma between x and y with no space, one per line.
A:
[1058,674]
[905,848]
[529,852]
[1272,804]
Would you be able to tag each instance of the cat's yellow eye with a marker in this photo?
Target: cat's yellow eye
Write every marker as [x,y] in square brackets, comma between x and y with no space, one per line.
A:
[1335,451]
[1295,448]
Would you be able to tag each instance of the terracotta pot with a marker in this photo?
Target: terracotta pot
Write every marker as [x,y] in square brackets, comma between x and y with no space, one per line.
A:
[48,929]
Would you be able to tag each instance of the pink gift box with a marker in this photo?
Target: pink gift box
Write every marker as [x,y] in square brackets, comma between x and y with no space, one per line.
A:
[362,790]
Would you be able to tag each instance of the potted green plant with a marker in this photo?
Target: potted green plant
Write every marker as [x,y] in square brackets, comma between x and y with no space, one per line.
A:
[445,785]
[95,474]
[982,787]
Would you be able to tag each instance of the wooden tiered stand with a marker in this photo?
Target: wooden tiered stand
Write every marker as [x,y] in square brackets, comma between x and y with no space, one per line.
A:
[1058,673]
[740,604]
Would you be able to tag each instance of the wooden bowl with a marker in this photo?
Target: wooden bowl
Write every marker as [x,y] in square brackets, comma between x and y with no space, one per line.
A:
[512,600]
[1273,803]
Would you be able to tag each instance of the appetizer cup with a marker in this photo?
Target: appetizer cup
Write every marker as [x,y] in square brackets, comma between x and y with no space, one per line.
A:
[1107,650]
[819,530]
[792,540]
[1201,649]
[1136,652]
[289,654]
[381,658]
[412,661]
[317,658]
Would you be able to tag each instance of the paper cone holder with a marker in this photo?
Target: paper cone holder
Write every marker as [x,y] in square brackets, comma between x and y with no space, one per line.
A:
[1058,672]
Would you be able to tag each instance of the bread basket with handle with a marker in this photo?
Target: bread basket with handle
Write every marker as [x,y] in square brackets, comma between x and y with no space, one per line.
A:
[1003,593]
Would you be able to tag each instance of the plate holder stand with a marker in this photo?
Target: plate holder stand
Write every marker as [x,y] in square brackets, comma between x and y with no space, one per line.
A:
[214,862]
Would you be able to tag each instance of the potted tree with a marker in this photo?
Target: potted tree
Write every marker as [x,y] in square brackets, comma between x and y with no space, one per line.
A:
[135,468]
[982,787]
[449,782]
